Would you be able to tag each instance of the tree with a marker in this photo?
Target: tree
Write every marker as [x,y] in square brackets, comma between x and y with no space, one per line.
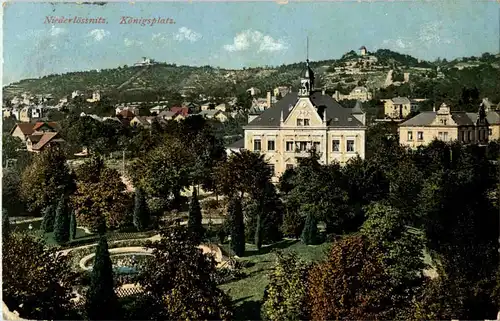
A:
[45,179]
[72,225]
[351,284]
[49,217]
[37,282]
[165,171]
[102,302]
[187,288]
[310,232]
[195,219]
[100,196]
[236,226]
[11,147]
[265,214]
[293,224]
[6,229]
[141,213]
[285,295]
[11,182]
[61,225]
[460,222]
[403,250]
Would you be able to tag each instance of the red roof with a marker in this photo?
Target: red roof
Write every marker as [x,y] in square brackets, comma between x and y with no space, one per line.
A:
[184,111]
[39,124]
[127,114]
[26,128]
[46,138]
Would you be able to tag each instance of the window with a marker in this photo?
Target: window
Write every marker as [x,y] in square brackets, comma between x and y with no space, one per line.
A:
[299,121]
[410,135]
[256,145]
[289,166]
[440,135]
[420,135]
[302,146]
[306,122]
[463,136]
[350,145]
[490,132]
[271,168]
[469,136]
[289,146]
[445,136]
[270,145]
[316,145]
[336,145]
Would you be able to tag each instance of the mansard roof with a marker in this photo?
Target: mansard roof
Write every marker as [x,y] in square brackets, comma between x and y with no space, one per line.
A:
[337,116]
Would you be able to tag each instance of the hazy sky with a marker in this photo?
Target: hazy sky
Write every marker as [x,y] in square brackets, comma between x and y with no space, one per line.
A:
[235,35]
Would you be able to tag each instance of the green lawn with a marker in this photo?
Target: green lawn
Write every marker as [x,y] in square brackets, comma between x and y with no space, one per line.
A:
[248,292]
[49,237]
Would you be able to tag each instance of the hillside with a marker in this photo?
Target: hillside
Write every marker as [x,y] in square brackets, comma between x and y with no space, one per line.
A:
[142,83]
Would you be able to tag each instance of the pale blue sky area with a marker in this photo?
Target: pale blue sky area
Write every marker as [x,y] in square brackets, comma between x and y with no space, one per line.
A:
[236,35]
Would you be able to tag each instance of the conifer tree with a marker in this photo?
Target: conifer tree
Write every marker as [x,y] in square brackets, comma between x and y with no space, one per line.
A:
[310,231]
[141,213]
[72,225]
[237,226]
[61,225]
[5,225]
[49,216]
[102,302]
[195,218]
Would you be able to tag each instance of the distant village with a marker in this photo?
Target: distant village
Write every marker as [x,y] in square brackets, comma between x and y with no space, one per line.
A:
[38,131]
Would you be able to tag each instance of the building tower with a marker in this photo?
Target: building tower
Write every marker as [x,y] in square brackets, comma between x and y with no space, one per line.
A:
[307,82]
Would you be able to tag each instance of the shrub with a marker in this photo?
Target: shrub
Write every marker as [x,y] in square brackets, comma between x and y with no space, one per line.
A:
[293,224]
[285,295]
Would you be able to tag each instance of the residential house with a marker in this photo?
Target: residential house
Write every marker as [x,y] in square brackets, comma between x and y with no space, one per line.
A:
[182,111]
[264,103]
[16,100]
[445,125]
[235,147]
[96,96]
[303,121]
[214,114]
[358,93]
[493,117]
[143,121]
[253,91]
[281,90]
[156,110]
[23,130]
[38,142]
[167,115]
[207,106]
[363,51]
[37,136]
[221,107]
[127,114]
[31,113]
[134,109]
[76,93]
[193,108]
[254,112]
[400,107]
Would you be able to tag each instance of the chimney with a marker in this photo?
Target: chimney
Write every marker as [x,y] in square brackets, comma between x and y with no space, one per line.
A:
[268,99]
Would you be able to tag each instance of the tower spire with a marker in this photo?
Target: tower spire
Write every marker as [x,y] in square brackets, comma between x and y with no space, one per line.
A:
[307,49]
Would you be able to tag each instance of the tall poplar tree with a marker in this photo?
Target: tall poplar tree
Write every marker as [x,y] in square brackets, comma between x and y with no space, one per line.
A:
[102,301]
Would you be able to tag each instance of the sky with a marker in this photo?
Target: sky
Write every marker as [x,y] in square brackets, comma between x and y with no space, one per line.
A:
[239,34]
